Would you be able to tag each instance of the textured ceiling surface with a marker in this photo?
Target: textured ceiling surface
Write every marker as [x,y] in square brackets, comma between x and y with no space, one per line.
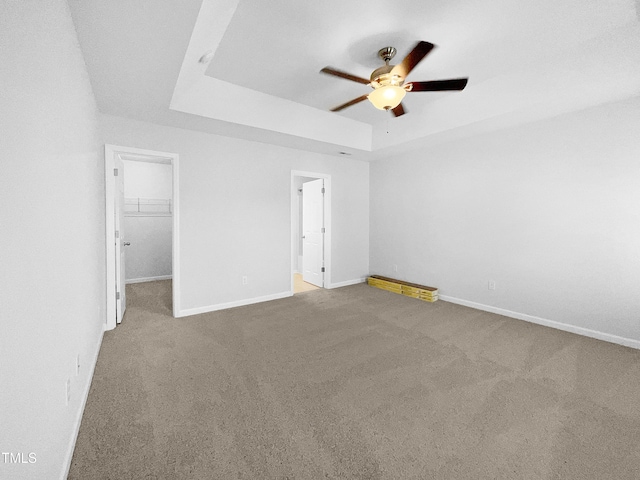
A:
[525,60]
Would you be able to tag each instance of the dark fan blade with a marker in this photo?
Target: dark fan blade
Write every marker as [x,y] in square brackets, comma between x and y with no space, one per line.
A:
[439,85]
[418,53]
[348,104]
[399,110]
[348,76]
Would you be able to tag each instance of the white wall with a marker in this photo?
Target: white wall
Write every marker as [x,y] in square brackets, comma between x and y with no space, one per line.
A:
[235,212]
[148,256]
[147,179]
[550,211]
[52,246]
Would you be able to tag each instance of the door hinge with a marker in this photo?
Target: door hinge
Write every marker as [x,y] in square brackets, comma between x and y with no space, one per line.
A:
[322,270]
[117,295]
[322,190]
[115,172]
[117,233]
[323,230]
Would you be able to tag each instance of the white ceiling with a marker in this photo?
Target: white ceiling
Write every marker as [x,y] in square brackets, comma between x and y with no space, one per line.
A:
[525,61]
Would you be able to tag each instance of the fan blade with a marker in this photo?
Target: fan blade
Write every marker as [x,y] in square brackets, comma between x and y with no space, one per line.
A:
[438,85]
[348,104]
[410,61]
[399,110]
[348,76]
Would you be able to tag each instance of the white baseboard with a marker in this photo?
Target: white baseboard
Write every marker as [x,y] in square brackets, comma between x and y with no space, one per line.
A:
[347,283]
[587,332]
[148,279]
[238,303]
[85,395]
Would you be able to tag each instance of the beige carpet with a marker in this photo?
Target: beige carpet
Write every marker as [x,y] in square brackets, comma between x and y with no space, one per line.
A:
[354,383]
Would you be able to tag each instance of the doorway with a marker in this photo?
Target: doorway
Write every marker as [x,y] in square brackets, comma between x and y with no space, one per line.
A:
[311,232]
[148,209]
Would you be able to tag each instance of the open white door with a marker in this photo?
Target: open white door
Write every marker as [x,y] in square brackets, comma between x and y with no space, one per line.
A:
[313,232]
[121,298]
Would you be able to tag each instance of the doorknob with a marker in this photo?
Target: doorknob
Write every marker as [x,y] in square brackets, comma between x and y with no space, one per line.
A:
[126,244]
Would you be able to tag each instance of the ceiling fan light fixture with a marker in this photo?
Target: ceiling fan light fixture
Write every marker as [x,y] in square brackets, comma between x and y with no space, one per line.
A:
[387,97]
[388,81]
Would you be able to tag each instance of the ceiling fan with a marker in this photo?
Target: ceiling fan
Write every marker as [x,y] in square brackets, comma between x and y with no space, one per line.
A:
[388,81]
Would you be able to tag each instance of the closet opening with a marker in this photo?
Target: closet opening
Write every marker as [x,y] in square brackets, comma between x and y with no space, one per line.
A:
[141,226]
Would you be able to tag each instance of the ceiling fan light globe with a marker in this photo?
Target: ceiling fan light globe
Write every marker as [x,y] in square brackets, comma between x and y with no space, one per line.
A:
[387,97]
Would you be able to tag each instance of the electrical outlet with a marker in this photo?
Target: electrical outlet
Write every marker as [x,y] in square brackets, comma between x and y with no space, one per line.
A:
[77,365]
[492,285]
[68,390]
[245,280]
[395,268]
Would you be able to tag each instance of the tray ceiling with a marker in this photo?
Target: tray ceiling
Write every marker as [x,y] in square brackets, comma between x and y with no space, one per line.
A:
[525,61]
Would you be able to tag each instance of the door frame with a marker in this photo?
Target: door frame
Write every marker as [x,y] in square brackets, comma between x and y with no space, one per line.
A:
[110,151]
[119,203]
[327,223]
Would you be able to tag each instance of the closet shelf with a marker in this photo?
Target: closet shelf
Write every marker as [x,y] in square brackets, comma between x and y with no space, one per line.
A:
[147,207]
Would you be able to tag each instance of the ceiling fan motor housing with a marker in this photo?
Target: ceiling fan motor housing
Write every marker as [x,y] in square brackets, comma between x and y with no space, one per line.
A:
[382,77]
